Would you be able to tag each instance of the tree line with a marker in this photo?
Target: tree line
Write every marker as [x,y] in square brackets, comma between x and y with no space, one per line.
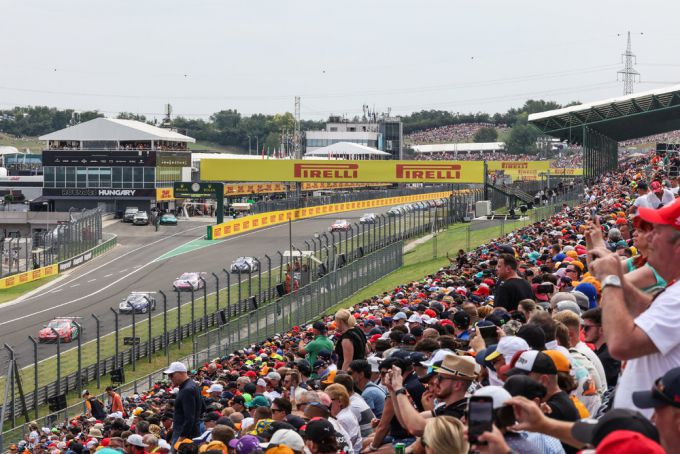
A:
[231,128]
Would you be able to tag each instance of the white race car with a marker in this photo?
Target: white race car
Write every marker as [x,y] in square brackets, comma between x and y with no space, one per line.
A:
[339,225]
[188,282]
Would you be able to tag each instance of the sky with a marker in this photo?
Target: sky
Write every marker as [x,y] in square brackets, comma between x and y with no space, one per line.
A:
[255,56]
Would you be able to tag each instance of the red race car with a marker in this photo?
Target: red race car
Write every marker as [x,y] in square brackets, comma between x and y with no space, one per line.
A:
[65,326]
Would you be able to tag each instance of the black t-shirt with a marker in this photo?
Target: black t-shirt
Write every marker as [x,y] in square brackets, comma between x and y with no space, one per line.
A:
[358,340]
[612,366]
[456,409]
[510,292]
[415,390]
[562,407]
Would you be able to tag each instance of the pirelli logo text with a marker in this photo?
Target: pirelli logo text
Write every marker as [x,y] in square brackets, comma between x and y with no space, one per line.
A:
[428,171]
[326,171]
[515,165]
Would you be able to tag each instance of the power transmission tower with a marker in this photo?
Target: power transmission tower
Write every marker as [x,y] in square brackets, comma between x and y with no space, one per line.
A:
[297,139]
[628,74]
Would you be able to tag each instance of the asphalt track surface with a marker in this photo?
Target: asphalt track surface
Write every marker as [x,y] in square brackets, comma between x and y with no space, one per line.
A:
[137,264]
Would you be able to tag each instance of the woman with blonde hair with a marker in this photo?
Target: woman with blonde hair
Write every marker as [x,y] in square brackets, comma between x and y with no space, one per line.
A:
[444,434]
[352,342]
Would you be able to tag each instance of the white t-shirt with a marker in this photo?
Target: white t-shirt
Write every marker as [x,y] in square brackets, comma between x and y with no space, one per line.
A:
[666,198]
[660,322]
[643,201]
[349,422]
[593,358]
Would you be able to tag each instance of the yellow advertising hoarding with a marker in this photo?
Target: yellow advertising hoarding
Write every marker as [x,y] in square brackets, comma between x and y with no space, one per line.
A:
[576,172]
[343,171]
[257,221]
[29,276]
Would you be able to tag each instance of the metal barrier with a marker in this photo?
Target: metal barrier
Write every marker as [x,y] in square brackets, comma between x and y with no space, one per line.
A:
[82,233]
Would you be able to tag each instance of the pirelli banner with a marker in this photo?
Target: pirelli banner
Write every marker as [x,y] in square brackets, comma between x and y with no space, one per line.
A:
[258,221]
[520,170]
[29,276]
[342,171]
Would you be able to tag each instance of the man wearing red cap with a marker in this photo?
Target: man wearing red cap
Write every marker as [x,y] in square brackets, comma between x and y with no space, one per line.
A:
[638,329]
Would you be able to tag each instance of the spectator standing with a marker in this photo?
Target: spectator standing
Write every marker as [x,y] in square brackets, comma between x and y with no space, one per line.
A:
[320,342]
[512,289]
[115,402]
[188,403]
[352,342]
[638,329]
[95,407]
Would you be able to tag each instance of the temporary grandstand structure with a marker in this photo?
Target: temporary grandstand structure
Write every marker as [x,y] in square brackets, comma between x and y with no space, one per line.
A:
[599,126]
[346,150]
[111,133]
[464,148]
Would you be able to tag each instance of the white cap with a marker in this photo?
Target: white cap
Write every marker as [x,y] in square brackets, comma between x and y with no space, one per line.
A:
[499,395]
[273,376]
[261,382]
[399,316]
[162,444]
[374,361]
[438,355]
[137,440]
[286,437]
[415,318]
[175,367]
[509,345]
[215,388]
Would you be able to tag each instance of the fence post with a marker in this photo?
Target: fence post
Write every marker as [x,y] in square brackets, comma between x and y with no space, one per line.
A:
[165,322]
[228,294]
[351,249]
[240,297]
[217,295]
[250,282]
[79,379]
[54,331]
[259,279]
[179,319]
[149,341]
[205,303]
[115,314]
[269,274]
[134,336]
[280,266]
[193,311]
[35,375]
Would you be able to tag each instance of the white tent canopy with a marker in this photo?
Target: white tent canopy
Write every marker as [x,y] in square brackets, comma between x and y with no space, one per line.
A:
[345,149]
[460,147]
[110,129]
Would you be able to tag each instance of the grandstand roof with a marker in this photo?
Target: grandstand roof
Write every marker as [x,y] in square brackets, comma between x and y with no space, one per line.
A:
[464,147]
[622,118]
[111,129]
[345,149]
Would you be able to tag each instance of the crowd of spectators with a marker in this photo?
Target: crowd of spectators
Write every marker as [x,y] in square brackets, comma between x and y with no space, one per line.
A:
[459,133]
[537,324]
[476,156]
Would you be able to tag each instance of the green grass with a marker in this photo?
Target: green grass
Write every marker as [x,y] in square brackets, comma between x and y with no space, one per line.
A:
[22,143]
[12,293]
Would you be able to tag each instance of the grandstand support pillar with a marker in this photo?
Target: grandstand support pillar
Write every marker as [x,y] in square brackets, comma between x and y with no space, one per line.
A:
[486,181]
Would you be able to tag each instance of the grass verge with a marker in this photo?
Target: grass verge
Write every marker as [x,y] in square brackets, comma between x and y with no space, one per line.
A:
[12,293]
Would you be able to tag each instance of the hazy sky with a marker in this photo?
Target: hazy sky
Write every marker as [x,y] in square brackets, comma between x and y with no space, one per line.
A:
[255,56]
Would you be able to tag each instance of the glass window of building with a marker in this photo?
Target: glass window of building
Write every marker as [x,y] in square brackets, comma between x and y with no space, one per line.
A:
[127,177]
[105,177]
[81,177]
[93,177]
[60,178]
[137,177]
[149,177]
[48,176]
[117,177]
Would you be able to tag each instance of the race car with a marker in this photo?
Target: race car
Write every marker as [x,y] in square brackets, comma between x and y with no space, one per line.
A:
[138,301]
[188,281]
[168,219]
[65,326]
[339,225]
[368,218]
[244,265]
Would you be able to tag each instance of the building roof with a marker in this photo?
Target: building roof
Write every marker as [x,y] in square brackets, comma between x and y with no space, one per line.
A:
[621,118]
[464,147]
[345,149]
[111,129]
